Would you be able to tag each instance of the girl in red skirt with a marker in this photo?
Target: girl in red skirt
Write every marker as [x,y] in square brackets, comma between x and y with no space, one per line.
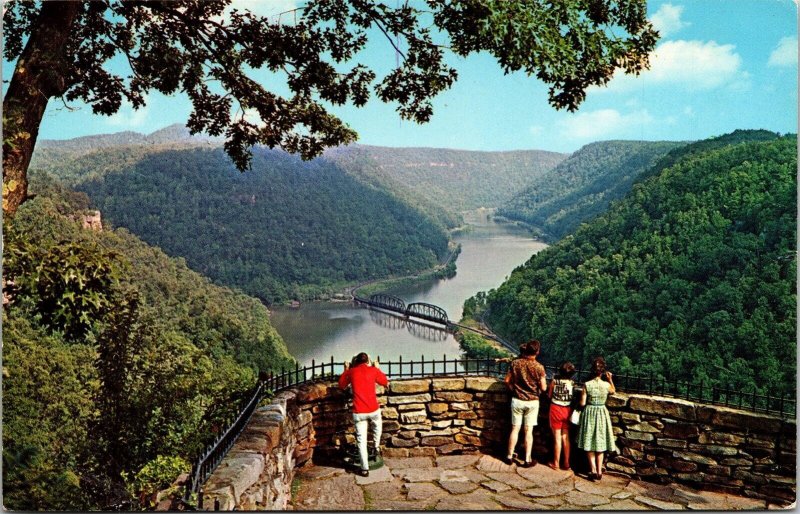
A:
[560,393]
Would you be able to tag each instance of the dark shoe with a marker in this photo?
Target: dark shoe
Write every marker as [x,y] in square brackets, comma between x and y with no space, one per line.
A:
[592,476]
[529,464]
[363,472]
[508,460]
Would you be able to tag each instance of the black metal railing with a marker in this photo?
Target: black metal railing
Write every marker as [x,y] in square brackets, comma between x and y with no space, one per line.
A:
[784,406]
[216,451]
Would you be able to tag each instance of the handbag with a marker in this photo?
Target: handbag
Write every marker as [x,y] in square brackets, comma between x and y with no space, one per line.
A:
[575,417]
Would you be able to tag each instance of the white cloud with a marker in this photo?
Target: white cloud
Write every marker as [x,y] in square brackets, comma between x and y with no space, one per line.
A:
[127,116]
[603,123]
[667,20]
[785,54]
[696,64]
[536,130]
[691,65]
[251,116]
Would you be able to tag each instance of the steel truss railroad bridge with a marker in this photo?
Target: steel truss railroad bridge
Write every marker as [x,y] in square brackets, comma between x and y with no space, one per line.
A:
[419,311]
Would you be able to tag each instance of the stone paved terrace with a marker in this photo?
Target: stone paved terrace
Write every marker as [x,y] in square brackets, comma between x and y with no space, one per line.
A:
[483,482]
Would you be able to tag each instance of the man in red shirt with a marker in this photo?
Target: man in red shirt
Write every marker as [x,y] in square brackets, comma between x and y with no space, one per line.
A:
[363,375]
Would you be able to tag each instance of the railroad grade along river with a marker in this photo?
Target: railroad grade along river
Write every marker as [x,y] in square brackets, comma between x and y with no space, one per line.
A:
[319,330]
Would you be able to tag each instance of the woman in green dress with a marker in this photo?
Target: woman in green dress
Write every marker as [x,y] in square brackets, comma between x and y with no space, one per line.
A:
[595,433]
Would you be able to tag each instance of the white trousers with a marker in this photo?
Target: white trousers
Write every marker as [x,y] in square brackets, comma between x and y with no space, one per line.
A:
[361,421]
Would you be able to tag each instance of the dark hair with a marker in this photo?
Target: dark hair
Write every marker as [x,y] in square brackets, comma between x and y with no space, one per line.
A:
[532,347]
[566,370]
[361,358]
[598,366]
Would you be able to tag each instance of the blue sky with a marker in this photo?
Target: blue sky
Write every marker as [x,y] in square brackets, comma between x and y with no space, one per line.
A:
[720,65]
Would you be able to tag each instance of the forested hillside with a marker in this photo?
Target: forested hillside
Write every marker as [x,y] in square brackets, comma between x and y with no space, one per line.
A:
[118,361]
[691,276]
[582,186]
[285,229]
[456,180]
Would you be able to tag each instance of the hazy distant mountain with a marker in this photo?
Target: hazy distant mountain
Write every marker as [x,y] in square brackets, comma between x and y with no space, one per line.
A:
[455,180]
[176,133]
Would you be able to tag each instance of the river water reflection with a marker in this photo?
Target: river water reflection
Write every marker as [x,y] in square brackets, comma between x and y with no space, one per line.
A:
[319,330]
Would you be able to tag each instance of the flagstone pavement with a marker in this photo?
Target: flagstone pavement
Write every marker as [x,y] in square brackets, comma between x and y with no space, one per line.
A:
[483,482]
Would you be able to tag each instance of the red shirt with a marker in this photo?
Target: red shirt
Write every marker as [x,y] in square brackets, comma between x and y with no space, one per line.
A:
[363,378]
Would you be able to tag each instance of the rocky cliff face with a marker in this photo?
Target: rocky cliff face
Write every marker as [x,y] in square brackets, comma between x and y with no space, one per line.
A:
[92,221]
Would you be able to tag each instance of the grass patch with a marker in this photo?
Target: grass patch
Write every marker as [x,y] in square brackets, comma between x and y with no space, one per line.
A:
[478,347]
[369,502]
[296,483]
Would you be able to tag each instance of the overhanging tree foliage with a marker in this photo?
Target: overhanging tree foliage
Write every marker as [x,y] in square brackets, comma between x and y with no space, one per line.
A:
[61,47]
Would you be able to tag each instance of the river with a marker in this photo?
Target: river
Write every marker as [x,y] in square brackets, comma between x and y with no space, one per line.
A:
[319,330]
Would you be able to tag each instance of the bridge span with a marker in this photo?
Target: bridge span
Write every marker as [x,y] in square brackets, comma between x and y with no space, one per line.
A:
[421,312]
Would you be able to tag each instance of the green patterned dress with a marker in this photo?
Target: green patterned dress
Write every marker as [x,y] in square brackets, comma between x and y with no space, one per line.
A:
[595,433]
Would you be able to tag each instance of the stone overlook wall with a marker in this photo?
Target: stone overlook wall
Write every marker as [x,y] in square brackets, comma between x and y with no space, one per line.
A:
[659,439]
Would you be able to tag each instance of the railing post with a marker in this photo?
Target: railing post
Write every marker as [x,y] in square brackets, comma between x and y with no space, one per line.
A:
[401,367]
[333,373]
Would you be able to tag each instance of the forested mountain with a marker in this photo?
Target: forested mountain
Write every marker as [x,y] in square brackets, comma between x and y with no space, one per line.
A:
[285,229]
[456,180]
[735,137]
[691,276]
[583,186]
[118,361]
[440,183]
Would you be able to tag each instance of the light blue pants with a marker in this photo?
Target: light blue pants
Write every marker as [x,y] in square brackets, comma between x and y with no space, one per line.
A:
[360,421]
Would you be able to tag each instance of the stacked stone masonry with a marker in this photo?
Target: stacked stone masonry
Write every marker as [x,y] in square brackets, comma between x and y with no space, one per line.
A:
[658,439]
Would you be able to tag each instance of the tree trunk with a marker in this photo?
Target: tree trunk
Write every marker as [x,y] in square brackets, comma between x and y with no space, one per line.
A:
[41,73]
